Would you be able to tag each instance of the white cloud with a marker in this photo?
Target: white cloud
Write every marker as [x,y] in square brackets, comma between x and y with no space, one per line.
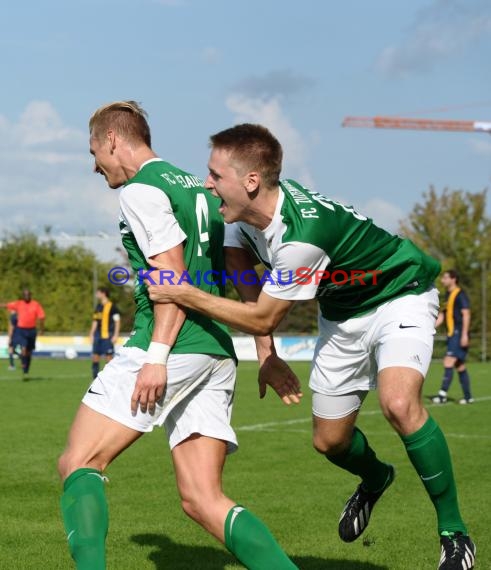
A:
[481,146]
[283,83]
[441,29]
[41,124]
[383,213]
[47,157]
[268,112]
[46,176]
[40,135]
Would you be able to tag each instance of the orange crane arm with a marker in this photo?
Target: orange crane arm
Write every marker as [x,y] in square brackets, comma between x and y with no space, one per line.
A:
[419,124]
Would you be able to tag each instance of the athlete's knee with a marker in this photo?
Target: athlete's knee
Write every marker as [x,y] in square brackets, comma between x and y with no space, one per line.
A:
[200,502]
[65,465]
[404,414]
[397,408]
[449,361]
[71,460]
[197,507]
[330,443]
[191,508]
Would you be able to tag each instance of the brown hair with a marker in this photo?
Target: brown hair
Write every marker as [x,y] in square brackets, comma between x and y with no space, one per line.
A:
[127,119]
[253,147]
[104,290]
[453,274]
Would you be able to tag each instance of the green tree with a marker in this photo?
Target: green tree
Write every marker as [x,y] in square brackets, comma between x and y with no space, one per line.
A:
[62,280]
[453,227]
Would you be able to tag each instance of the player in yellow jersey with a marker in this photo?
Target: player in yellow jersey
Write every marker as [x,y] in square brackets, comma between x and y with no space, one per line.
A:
[104,332]
[456,315]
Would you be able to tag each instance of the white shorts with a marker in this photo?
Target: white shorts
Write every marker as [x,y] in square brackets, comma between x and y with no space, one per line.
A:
[198,398]
[350,353]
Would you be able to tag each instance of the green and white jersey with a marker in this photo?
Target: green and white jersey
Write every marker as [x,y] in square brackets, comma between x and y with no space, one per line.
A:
[318,248]
[161,207]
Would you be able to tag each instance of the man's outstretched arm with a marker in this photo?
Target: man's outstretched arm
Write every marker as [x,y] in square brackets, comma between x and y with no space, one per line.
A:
[259,318]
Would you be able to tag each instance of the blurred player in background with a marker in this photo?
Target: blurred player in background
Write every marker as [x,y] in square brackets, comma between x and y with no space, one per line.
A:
[173,371]
[457,317]
[30,313]
[104,332]
[12,338]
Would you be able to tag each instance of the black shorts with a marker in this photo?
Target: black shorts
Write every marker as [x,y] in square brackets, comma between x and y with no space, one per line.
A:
[103,346]
[26,338]
[454,349]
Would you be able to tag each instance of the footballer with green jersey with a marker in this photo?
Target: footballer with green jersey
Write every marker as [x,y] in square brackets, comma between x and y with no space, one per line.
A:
[176,370]
[378,307]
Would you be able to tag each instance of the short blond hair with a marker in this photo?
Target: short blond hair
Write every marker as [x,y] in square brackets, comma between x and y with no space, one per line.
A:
[126,118]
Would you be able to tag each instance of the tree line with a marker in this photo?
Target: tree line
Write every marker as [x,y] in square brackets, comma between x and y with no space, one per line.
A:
[452,226]
[61,279]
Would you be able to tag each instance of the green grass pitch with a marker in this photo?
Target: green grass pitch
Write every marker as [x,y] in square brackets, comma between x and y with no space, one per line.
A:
[276,474]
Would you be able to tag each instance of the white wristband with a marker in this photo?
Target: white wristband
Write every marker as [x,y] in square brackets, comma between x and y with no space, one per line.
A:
[157,353]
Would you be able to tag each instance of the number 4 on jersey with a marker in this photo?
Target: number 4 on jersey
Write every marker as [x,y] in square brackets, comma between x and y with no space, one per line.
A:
[202,218]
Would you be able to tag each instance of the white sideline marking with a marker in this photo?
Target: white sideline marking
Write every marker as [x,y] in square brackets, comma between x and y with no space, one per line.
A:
[258,427]
[270,426]
[34,375]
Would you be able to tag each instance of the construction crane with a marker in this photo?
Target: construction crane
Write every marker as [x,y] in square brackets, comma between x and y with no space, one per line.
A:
[417,124]
[434,125]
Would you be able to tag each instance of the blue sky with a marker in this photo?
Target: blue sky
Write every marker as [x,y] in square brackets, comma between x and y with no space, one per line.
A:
[199,66]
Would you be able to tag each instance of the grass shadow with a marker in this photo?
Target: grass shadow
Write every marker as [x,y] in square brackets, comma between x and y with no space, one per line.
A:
[18,378]
[169,554]
[450,400]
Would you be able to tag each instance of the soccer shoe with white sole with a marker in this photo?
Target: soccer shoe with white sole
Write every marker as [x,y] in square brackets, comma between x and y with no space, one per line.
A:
[441,398]
[458,552]
[356,514]
[466,401]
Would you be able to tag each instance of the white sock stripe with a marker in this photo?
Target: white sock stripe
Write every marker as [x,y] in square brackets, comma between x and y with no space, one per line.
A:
[103,478]
[235,514]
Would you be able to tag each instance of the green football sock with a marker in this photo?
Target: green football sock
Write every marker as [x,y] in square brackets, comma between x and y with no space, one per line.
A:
[361,460]
[428,451]
[84,509]
[252,542]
